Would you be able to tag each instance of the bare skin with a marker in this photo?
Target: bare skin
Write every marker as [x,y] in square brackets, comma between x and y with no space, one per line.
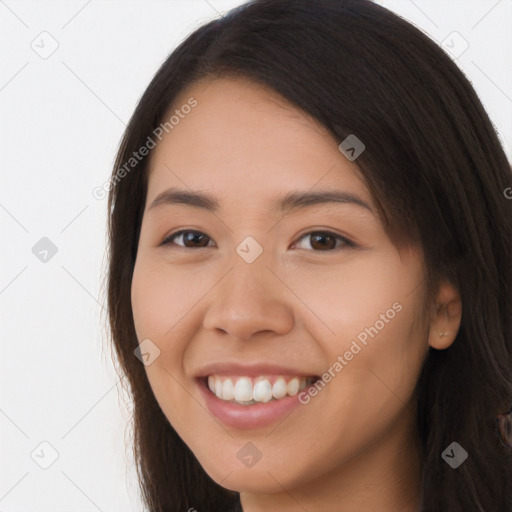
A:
[353,446]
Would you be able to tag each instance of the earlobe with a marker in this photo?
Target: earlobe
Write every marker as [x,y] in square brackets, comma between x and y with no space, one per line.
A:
[445,318]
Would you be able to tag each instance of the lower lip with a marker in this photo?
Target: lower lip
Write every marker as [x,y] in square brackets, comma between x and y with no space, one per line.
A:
[248,416]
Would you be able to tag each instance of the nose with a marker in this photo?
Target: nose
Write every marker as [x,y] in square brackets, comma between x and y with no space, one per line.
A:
[249,300]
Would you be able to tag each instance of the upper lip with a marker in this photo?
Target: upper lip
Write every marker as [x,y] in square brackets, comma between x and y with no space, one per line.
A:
[250,369]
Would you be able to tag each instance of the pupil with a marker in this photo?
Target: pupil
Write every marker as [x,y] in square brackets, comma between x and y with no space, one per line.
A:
[190,236]
[316,238]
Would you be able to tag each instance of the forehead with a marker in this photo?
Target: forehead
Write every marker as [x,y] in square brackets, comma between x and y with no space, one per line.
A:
[244,139]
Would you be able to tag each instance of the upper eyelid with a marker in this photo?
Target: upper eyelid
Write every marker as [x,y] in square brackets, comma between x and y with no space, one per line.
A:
[348,241]
[166,240]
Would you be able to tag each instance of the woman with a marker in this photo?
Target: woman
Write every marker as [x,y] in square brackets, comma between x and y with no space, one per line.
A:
[311,257]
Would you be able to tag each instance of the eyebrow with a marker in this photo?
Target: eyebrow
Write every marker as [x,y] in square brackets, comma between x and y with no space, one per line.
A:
[291,201]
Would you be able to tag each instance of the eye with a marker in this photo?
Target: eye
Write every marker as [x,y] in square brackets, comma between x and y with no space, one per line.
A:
[319,240]
[325,240]
[192,237]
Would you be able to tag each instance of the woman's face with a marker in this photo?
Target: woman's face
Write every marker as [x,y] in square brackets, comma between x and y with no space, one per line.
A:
[259,296]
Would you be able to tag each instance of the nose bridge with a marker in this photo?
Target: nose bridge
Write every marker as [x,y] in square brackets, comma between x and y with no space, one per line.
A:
[249,262]
[250,275]
[249,298]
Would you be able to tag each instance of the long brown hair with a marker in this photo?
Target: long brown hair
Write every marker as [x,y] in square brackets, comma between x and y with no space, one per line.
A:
[435,167]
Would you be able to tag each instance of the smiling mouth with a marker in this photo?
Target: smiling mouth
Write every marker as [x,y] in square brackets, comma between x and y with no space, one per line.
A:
[245,390]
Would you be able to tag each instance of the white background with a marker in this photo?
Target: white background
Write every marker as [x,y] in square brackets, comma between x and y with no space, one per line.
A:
[61,120]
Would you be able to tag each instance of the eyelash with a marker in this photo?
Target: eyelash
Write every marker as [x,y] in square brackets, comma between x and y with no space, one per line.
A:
[346,243]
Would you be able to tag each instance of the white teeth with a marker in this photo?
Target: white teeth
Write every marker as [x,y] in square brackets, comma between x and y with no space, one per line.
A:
[243,390]
[279,388]
[262,391]
[228,390]
[293,387]
[218,388]
[247,392]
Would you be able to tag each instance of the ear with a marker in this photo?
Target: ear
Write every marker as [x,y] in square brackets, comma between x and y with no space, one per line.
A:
[445,317]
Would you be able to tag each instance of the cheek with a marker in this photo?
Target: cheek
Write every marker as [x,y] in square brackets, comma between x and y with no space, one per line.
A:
[160,298]
[145,294]
[160,303]
[383,353]
[371,389]
[342,302]
[368,320]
